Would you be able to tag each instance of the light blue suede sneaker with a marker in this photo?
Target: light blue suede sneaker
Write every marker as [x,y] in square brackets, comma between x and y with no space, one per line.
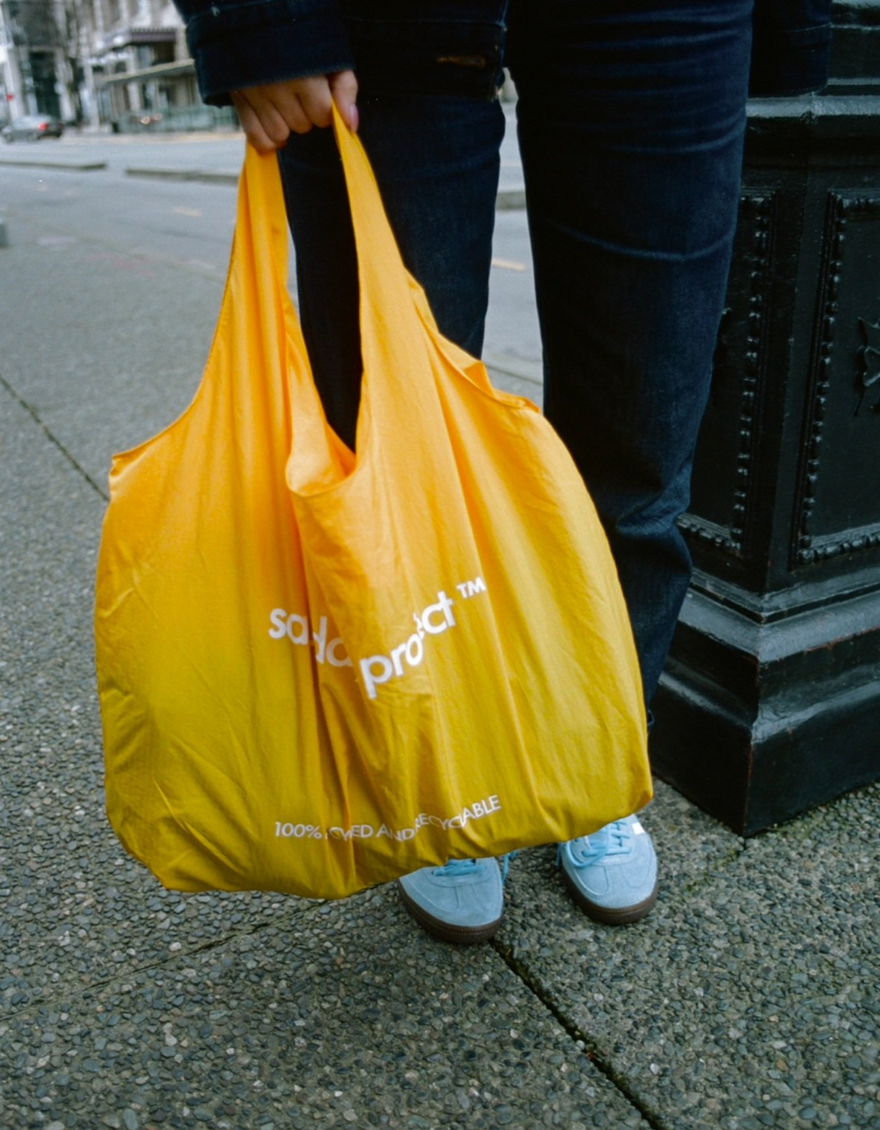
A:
[612,875]
[461,902]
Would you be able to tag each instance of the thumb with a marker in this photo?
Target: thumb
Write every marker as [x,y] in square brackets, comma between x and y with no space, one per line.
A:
[344,88]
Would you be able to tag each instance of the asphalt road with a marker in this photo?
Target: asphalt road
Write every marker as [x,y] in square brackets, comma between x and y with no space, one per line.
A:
[189,224]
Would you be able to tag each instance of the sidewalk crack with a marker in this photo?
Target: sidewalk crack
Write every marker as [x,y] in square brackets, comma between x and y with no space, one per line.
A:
[50,435]
[584,1043]
[70,993]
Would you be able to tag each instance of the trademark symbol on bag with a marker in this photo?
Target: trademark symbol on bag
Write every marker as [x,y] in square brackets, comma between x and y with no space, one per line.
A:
[471,588]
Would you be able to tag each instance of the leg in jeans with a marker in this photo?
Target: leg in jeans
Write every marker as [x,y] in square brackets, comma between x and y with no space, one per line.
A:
[631,118]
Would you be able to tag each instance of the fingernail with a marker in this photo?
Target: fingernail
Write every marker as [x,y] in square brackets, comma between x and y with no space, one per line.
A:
[354,118]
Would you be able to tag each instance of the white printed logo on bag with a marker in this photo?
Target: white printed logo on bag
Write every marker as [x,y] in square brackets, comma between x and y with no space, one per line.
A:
[379,669]
[376,670]
[296,628]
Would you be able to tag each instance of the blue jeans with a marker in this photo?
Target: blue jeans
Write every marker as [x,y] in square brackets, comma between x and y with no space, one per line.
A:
[631,116]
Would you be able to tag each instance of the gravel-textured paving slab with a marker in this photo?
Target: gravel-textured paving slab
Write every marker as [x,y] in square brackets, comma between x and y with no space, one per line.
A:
[74,909]
[347,1016]
[749,997]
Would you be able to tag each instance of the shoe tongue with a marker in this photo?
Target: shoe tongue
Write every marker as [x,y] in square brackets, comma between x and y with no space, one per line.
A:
[617,837]
[459,866]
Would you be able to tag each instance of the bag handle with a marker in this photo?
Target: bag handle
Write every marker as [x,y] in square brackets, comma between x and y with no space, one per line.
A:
[261,239]
[395,321]
[261,205]
[385,284]
[261,230]
[258,276]
[393,399]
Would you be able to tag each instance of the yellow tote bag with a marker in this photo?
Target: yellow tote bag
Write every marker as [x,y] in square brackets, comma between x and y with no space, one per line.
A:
[321,670]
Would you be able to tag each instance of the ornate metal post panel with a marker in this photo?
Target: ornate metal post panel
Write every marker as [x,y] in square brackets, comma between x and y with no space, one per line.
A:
[770,702]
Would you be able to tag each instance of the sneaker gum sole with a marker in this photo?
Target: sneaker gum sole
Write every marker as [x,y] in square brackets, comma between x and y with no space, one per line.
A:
[610,916]
[462,935]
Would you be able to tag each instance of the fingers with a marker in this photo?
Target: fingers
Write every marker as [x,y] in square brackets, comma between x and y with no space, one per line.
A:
[263,126]
[316,100]
[344,88]
[270,113]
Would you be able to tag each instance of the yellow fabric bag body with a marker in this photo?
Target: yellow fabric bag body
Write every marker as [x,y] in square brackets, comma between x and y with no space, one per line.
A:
[321,670]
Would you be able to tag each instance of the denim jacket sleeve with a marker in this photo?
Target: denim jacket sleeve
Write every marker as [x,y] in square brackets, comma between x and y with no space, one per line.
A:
[791,47]
[238,43]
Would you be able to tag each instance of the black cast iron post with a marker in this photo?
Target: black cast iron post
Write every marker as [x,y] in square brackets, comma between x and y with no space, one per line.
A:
[770,702]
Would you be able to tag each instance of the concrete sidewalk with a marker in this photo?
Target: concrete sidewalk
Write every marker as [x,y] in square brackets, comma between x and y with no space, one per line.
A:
[748,999]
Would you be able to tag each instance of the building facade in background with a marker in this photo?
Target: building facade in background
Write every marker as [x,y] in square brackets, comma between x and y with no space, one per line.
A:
[122,63]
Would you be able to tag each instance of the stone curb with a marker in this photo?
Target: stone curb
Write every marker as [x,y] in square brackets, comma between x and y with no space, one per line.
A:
[507,200]
[67,166]
[202,175]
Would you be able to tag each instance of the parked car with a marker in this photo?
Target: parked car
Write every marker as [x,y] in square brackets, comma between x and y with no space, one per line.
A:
[32,128]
